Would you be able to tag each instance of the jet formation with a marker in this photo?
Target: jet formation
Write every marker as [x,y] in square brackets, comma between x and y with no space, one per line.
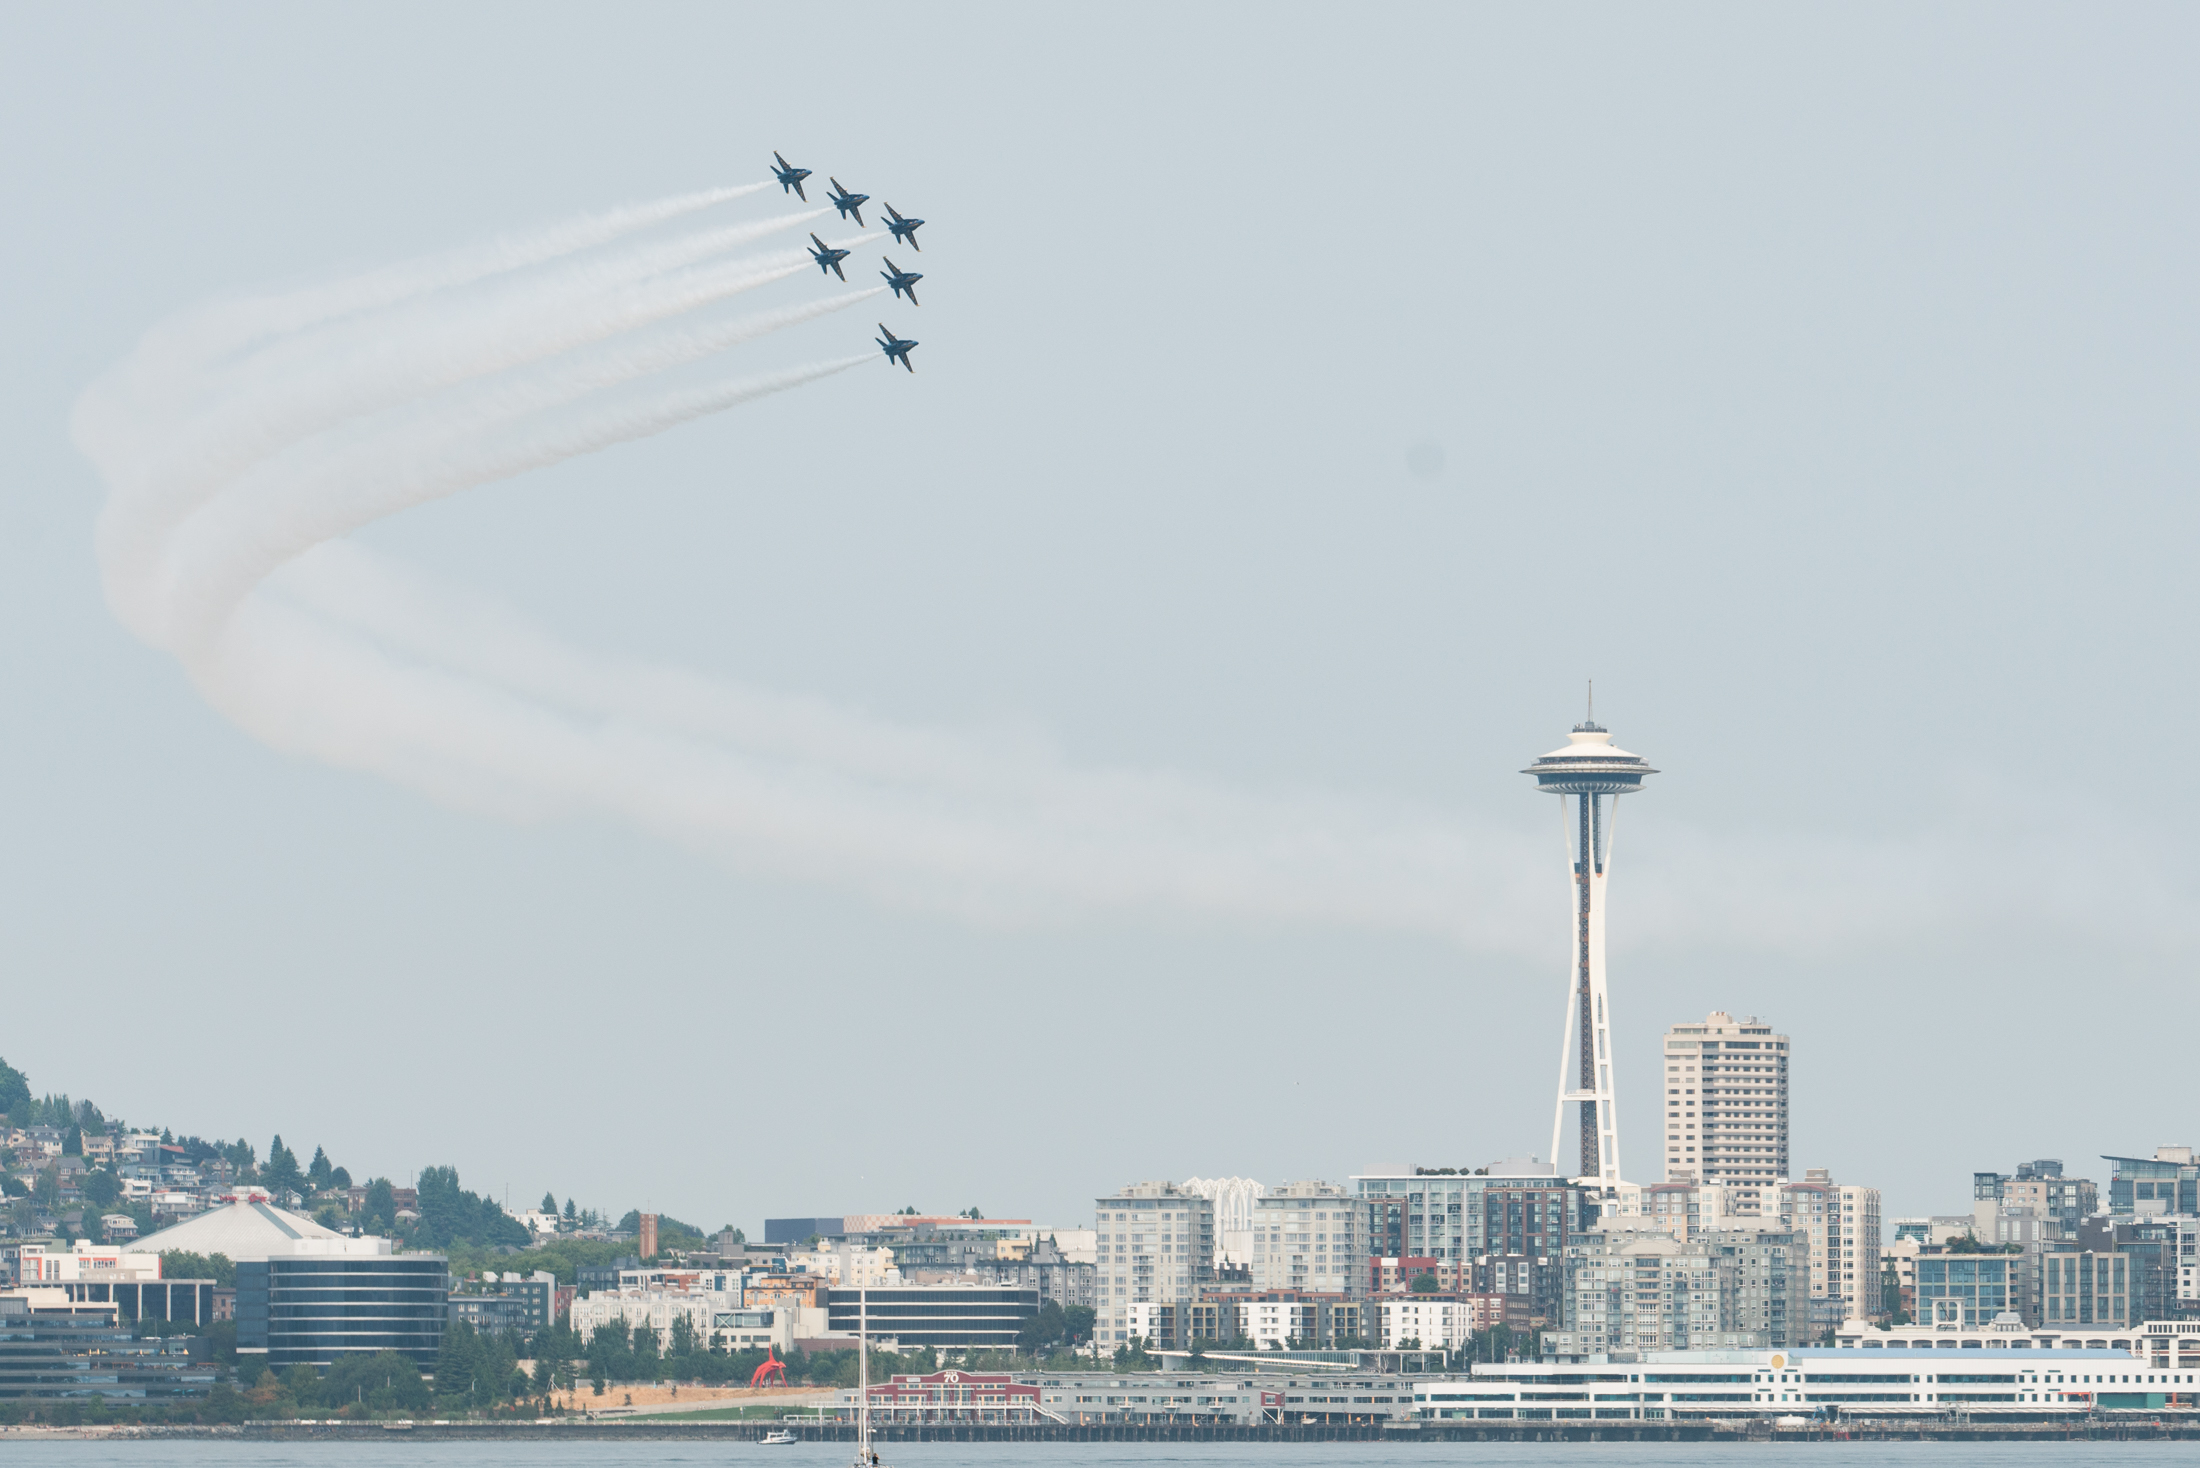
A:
[897,350]
[846,202]
[828,258]
[790,177]
[904,282]
[903,227]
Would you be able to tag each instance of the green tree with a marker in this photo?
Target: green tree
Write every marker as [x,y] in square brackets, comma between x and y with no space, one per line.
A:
[448,1214]
[101,1188]
[339,1177]
[379,1212]
[611,1352]
[1425,1284]
[457,1363]
[281,1175]
[382,1382]
[671,1232]
[15,1089]
[47,1191]
[302,1384]
[181,1264]
[223,1404]
[1077,1321]
[239,1154]
[320,1171]
[1042,1329]
[572,1214]
[550,1204]
[683,1338]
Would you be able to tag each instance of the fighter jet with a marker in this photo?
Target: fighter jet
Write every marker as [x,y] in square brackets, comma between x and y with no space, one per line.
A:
[790,177]
[903,228]
[896,349]
[827,257]
[903,281]
[846,202]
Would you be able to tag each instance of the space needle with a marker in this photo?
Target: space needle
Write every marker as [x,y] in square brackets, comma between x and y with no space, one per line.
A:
[1589,776]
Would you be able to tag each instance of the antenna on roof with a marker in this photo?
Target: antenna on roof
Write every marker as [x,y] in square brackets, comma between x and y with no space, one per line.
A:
[1592,700]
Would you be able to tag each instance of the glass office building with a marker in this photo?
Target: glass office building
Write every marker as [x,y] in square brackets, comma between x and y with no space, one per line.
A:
[1983,1284]
[45,1355]
[2167,1182]
[955,1316]
[308,1310]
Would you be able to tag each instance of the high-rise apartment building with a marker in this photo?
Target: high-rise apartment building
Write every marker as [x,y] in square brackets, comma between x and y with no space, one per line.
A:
[2040,1186]
[1156,1245]
[1840,1225]
[1642,1285]
[1726,1107]
[1507,1223]
[1310,1236]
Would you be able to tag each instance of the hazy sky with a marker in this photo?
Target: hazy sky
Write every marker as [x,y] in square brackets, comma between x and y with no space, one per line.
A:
[1309,401]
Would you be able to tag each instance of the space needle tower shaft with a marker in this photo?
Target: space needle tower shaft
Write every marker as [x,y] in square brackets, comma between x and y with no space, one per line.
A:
[1588,776]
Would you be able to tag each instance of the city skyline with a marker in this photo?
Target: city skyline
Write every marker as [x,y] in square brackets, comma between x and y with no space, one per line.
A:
[1842,434]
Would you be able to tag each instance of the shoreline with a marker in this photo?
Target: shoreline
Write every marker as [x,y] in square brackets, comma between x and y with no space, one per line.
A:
[2147,1429]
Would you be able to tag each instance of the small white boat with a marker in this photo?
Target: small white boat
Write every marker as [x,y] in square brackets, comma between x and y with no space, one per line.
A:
[778,1438]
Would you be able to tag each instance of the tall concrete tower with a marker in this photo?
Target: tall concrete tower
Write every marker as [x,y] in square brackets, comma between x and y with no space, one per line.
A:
[1589,776]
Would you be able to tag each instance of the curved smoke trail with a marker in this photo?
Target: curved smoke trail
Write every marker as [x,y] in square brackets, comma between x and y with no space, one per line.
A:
[243,441]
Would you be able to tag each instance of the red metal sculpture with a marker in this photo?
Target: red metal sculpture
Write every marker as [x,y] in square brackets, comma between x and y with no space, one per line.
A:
[773,1368]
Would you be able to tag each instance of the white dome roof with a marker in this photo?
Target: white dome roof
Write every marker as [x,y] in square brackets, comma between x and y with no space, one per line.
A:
[255,1231]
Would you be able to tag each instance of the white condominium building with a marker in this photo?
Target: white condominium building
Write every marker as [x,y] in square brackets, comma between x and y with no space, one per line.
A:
[1155,1244]
[1841,1222]
[1726,1107]
[1310,1236]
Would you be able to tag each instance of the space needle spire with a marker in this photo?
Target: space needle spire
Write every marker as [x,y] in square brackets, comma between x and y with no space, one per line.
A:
[1589,776]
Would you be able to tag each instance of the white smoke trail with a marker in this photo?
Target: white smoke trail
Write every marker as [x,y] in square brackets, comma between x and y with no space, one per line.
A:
[243,441]
[273,400]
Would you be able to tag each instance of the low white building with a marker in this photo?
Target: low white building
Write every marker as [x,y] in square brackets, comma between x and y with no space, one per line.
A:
[706,1312]
[1683,1385]
[1431,1324]
[1958,1330]
[848,1266]
[37,1264]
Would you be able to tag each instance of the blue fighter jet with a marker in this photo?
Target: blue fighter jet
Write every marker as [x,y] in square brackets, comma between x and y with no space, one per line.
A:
[790,177]
[846,202]
[903,227]
[896,349]
[903,281]
[828,258]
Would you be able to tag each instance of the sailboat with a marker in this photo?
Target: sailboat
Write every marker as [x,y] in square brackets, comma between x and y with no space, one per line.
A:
[866,1457]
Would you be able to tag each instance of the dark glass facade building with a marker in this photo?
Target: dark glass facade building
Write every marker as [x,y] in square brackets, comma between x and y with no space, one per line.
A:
[310,1310]
[941,1315]
[47,1356]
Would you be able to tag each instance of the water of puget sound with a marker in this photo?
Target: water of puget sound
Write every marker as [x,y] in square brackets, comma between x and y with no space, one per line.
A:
[143,1453]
